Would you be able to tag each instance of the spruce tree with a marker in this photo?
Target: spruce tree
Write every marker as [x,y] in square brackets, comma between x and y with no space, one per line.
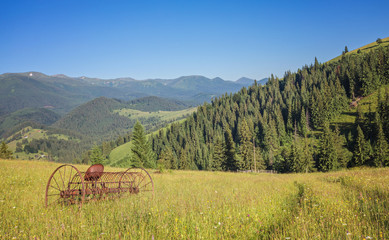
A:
[327,155]
[295,158]
[246,146]
[5,153]
[218,155]
[381,148]
[303,123]
[231,162]
[165,158]
[183,161]
[307,158]
[361,148]
[141,149]
[96,156]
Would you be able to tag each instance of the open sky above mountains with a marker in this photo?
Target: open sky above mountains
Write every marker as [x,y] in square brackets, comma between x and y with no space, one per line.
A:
[167,39]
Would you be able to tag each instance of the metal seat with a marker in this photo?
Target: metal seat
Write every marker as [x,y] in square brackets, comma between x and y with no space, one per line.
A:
[94,172]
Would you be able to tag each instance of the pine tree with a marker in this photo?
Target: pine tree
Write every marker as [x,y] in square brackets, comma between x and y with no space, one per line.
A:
[361,148]
[295,158]
[308,162]
[381,147]
[96,156]
[327,155]
[165,157]
[5,153]
[218,155]
[303,123]
[246,146]
[141,148]
[183,161]
[231,161]
[342,152]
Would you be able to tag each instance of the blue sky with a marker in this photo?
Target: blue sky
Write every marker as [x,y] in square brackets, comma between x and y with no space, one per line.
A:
[167,39]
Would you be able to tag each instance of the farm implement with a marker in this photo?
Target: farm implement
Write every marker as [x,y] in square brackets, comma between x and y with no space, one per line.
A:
[67,185]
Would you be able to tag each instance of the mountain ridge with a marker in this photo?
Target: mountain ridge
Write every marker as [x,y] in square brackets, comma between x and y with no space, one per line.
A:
[63,93]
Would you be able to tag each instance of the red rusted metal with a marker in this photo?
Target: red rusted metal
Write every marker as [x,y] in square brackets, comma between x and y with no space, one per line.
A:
[94,172]
[67,185]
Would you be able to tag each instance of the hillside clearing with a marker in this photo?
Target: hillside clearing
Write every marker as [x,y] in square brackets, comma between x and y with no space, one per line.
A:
[160,115]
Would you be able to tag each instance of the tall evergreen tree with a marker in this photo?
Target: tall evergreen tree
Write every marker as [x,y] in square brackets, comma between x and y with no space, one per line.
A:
[327,155]
[231,161]
[141,148]
[295,158]
[361,150]
[218,156]
[5,153]
[381,148]
[165,158]
[96,156]
[183,161]
[246,146]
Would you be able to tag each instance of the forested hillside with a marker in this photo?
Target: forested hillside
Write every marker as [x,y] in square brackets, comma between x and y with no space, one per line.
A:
[153,104]
[10,123]
[289,121]
[101,119]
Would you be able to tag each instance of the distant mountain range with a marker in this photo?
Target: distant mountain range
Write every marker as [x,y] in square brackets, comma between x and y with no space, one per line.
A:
[61,93]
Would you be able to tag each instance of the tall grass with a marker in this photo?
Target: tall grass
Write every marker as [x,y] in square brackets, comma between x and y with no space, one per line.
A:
[203,205]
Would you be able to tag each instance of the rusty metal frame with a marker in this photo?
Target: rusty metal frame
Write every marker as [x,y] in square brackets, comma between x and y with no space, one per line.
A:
[67,188]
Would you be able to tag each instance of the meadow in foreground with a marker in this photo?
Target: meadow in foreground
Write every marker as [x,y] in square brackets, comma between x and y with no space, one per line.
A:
[350,204]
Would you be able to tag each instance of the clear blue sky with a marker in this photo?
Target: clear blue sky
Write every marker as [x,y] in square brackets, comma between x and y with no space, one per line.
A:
[167,39]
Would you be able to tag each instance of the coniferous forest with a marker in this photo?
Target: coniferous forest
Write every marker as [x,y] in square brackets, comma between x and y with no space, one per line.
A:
[290,122]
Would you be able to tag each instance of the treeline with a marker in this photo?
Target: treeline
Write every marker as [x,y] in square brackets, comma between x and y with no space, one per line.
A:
[288,121]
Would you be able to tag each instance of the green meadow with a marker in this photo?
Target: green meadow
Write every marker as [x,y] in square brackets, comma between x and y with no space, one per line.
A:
[161,115]
[352,204]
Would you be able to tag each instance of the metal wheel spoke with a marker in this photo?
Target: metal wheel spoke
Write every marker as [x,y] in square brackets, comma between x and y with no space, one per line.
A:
[141,180]
[53,195]
[55,187]
[63,181]
[56,182]
[70,175]
[145,184]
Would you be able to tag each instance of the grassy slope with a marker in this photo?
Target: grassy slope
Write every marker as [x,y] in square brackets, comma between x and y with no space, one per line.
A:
[347,118]
[350,204]
[124,150]
[368,47]
[32,133]
[162,115]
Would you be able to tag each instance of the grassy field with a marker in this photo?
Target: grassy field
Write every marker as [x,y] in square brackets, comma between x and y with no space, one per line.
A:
[161,115]
[350,204]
